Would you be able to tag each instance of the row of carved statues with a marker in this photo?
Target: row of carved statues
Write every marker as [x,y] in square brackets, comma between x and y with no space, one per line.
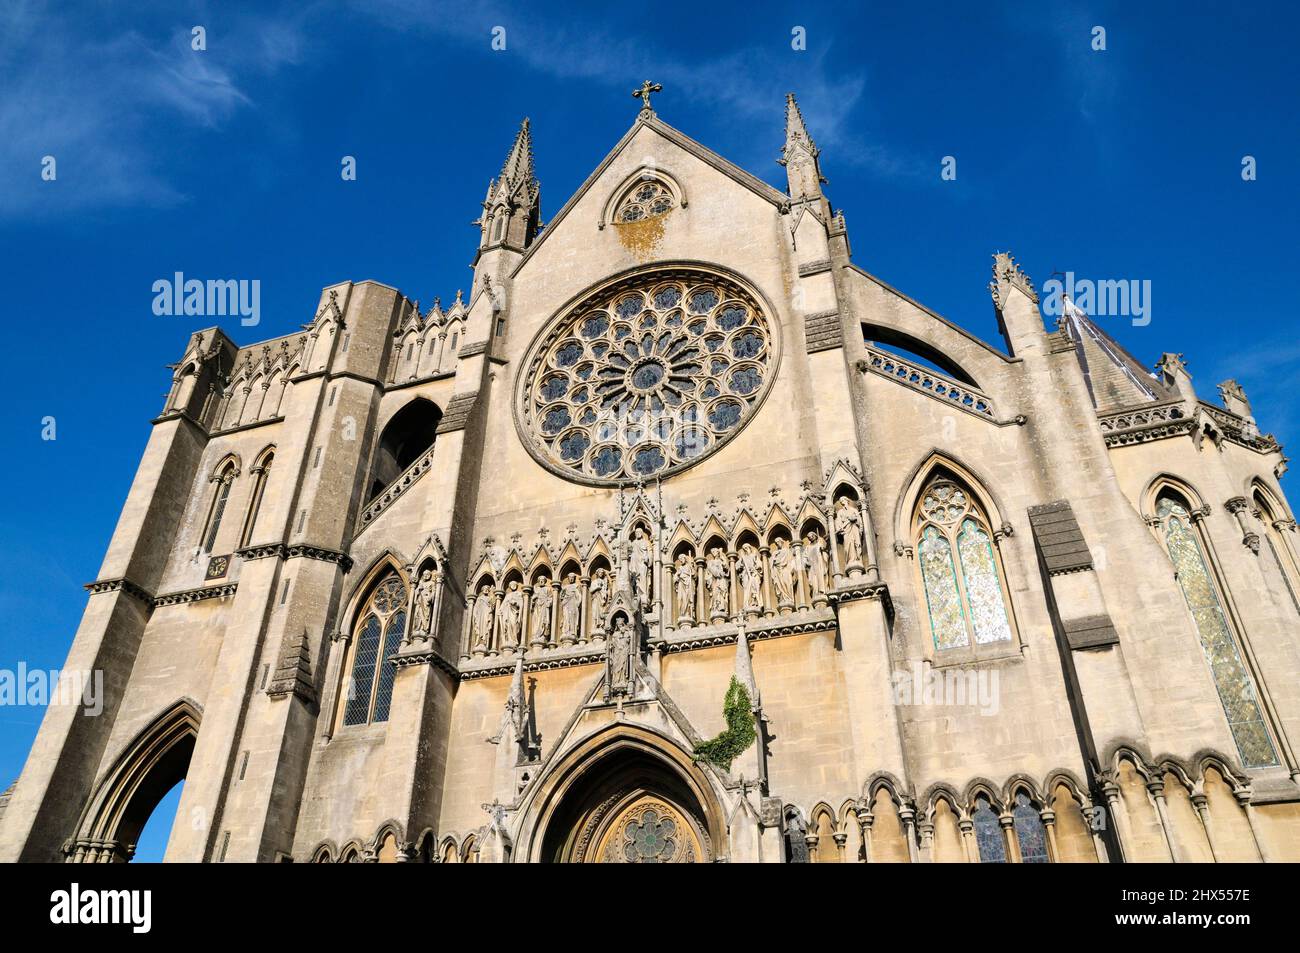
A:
[699,588]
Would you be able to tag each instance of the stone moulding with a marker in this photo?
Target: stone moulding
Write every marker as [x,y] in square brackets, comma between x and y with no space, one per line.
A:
[458,411]
[195,595]
[297,551]
[814,267]
[928,382]
[125,585]
[423,463]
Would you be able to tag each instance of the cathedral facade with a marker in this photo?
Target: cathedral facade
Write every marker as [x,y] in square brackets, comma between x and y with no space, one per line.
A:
[680,537]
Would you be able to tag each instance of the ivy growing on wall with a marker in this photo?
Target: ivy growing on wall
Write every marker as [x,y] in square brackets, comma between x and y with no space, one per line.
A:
[739,733]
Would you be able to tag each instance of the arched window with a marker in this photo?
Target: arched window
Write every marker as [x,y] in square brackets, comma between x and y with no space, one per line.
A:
[378,634]
[224,481]
[1231,677]
[960,574]
[261,472]
[1030,833]
[988,833]
[648,198]
[1279,546]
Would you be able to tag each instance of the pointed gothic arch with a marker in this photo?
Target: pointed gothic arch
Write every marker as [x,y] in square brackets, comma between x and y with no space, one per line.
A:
[154,762]
[1176,516]
[620,780]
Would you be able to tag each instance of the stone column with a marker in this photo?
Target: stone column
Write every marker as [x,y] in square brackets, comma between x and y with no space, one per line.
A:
[926,829]
[967,828]
[1008,824]
[767,593]
[735,590]
[701,591]
[801,597]
[525,619]
[866,820]
[907,814]
[1201,803]
[467,626]
[1243,798]
[584,614]
[1156,787]
[1049,824]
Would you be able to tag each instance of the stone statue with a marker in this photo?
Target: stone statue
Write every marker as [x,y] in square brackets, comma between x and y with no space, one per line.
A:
[718,581]
[640,559]
[620,657]
[539,624]
[481,621]
[600,594]
[848,523]
[684,582]
[511,615]
[570,608]
[783,572]
[424,596]
[814,561]
[751,578]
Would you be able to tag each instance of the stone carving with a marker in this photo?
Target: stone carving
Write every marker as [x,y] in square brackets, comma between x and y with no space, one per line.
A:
[684,583]
[539,625]
[600,586]
[570,609]
[620,657]
[783,572]
[719,579]
[848,523]
[751,578]
[424,596]
[640,561]
[511,615]
[816,564]
[481,627]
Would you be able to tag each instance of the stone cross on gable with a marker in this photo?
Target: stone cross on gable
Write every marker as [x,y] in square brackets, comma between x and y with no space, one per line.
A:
[643,94]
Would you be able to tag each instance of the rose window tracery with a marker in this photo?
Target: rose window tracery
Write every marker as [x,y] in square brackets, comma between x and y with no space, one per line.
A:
[646,377]
[647,199]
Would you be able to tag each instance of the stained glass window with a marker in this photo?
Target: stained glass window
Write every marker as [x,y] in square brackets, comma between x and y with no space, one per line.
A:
[648,199]
[219,508]
[1030,832]
[988,833]
[628,352]
[377,638]
[963,587]
[1231,678]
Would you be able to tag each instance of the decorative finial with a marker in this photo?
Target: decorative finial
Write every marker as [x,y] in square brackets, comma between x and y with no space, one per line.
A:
[643,94]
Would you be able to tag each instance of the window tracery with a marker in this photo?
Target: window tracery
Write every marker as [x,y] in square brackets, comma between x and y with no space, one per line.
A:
[649,198]
[961,577]
[376,637]
[647,377]
[1235,686]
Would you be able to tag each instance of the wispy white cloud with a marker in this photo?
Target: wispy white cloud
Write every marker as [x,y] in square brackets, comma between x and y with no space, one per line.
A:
[95,96]
[1267,371]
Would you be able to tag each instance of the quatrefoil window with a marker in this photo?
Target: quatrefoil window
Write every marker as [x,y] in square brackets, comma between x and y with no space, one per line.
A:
[647,376]
[647,199]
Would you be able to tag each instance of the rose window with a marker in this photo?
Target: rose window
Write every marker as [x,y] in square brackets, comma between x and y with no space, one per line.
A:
[645,200]
[646,377]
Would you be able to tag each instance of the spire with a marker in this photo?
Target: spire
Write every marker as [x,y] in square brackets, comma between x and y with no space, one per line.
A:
[800,155]
[518,167]
[745,668]
[512,208]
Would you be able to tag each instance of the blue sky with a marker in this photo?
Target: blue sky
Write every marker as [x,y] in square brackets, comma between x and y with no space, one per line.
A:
[1123,163]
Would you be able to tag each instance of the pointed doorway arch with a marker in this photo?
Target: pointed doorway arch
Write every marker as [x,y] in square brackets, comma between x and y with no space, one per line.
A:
[154,763]
[625,795]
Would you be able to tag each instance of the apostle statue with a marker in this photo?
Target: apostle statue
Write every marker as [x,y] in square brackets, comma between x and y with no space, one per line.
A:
[751,578]
[425,592]
[684,584]
[814,561]
[848,523]
[511,615]
[619,656]
[481,621]
[600,595]
[640,561]
[570,609]
[718,581]
[539,625]
[783,572]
